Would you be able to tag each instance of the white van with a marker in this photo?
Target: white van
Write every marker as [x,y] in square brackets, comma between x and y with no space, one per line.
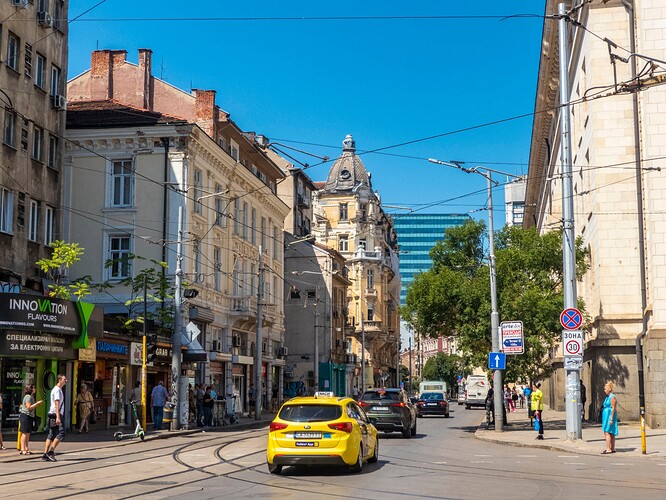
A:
[477,390]
[432,386]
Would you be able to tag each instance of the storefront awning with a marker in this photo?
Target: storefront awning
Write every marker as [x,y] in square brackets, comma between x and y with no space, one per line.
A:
[195,351]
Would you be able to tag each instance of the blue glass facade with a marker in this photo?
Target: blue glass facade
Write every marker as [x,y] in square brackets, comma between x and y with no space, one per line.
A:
[417,234]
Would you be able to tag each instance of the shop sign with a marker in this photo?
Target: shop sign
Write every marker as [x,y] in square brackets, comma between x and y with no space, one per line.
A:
[89,354]
[216,367]
[238,369]
[112,348]
[20,311]
[32,344]
[136,354]
[164,354]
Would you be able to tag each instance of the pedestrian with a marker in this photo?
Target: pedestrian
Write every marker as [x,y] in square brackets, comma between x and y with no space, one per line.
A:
[355,392]
[55,420]
[537,409]
[27,418]
[609,418]
[199,395]
[84,403]
[506,393]
[583,400]
[208,405]
[490,407]
[213,392]
[252,394]
[527,391]
[136,393]
[191,403]
[514,399]
[157,400]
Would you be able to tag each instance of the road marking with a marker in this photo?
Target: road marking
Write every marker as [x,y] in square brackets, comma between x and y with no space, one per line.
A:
[573,463]
[480,461]
[483,455]
[568,456]
[439,463]
[526,456]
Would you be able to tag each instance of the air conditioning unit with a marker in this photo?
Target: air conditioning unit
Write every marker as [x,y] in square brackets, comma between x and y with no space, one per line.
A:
[20,3]
[59,102]
[217,346]
[44,18]
[237,341]
[264,347]
[283,351]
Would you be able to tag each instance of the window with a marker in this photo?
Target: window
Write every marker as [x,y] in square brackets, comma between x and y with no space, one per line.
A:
[119,254]
[198,190]
[58,20]
[49,225]
[253,279]
[40,71]
[371,313]
[362,243]
[33,226]
[223,143]
[43,5]
[9,136]
[343,243]
[276,241]
[371,278]
[6,211]
[37,143]
[53,159]
[253,226]
[196,268]
[233,150]
[27,70]
[122,183]
[13,44]
[263,233]
[246,215]
[275,290]
[343,211]
[55,81]
[220,219]
[267,247]
[217,260]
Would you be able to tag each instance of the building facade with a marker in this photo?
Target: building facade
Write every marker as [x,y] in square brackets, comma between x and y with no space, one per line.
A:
[143,155]
[348,216]
[617,192]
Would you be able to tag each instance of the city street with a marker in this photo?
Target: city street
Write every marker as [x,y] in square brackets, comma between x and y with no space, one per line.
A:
[442,461]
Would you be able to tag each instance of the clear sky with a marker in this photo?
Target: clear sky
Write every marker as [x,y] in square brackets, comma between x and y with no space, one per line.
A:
[308,82]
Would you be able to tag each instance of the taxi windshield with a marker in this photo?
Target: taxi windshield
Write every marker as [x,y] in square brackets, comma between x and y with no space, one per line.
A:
[310,413]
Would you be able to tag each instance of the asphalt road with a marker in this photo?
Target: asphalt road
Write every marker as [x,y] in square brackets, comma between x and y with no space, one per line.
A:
[442,461]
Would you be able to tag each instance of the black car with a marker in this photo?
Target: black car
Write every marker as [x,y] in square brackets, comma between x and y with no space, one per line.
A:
[432,403]
[392,410]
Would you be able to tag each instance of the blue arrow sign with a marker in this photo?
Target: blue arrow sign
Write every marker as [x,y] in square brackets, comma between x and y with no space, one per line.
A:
[497,361]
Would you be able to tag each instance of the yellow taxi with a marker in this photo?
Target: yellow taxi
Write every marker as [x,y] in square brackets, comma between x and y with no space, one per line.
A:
[321,430]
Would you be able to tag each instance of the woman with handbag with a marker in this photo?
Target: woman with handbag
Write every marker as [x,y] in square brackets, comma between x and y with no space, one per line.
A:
[84,402]
[609,418]
[27,418]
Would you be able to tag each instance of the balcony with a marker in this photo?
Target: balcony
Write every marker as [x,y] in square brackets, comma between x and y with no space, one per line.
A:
[303,201]
[371,292]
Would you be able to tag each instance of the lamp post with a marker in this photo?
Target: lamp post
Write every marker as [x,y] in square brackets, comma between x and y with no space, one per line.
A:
[494,315]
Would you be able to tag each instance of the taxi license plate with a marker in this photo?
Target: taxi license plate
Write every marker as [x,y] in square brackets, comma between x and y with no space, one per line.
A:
[306,435]
[380,408]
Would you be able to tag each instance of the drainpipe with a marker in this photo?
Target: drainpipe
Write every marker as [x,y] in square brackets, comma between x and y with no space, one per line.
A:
[165,200]
[628,4]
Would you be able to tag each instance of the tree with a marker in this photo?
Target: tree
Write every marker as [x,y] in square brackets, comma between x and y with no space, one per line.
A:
[453,297]
[63,256]
[444,367]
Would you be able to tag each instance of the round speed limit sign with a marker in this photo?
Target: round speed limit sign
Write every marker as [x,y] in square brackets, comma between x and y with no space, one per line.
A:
[573,346]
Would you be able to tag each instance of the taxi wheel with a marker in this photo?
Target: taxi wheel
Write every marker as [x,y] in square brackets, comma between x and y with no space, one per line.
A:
[375,455]
[413,429]
[274,469]
[358,466]
[406,432]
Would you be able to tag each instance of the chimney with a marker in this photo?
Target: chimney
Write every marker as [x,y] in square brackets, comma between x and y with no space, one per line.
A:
[205,110]
[146,68]
[101,75]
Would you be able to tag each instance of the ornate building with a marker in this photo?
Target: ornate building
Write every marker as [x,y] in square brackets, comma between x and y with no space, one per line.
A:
[348,216]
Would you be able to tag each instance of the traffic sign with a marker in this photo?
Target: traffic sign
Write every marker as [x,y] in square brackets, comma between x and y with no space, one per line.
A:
[572,342]
[512,337]
[571,318]
[497,361]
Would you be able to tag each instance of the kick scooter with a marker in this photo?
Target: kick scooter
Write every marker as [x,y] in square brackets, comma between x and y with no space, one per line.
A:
[138,431]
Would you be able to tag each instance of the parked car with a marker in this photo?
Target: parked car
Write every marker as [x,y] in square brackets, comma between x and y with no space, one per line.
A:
[462,397]
[432,403]
[392,410]
[321,430]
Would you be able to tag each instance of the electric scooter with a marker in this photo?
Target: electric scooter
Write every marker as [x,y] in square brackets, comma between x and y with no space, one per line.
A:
[138,431]
[231,410]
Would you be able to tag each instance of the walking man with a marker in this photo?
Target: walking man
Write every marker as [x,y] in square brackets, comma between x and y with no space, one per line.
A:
[157,400]
[55,420]
[252,394]
[199,394]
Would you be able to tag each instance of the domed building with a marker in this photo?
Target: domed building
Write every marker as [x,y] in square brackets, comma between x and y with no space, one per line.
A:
[348,217]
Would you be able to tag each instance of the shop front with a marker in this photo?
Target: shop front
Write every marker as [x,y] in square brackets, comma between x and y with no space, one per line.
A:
[110,382]
[39,338]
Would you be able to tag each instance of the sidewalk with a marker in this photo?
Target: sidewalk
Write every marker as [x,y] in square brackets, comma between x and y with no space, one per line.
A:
[75,442]
[519,432]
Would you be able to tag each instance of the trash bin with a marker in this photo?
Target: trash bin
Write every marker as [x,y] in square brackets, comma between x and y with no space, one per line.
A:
[168,414]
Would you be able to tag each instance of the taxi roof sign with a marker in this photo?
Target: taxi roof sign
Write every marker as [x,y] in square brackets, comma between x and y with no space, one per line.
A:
[324,394]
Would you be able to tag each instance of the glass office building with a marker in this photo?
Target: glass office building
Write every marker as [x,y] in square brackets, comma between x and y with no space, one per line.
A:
[417,234]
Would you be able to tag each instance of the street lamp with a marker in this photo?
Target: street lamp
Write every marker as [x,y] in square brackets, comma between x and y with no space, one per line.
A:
[494,315]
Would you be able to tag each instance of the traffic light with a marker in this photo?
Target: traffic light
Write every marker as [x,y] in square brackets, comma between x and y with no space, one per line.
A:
[151,347]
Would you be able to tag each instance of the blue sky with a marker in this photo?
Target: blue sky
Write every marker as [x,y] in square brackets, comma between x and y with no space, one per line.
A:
[385,81]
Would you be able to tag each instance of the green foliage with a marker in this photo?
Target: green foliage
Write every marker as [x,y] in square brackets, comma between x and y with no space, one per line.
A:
[63,256]
[453,298]
[444,367]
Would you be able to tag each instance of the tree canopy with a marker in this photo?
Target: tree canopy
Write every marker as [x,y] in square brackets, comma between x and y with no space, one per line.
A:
[453,297]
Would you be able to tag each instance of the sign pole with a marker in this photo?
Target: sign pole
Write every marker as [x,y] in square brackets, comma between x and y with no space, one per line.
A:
[144,371]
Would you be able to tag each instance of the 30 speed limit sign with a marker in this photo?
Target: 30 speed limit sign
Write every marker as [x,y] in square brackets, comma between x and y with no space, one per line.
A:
[572,342]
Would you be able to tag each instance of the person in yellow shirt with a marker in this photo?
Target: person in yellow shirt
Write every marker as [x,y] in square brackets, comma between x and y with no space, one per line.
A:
[537,408]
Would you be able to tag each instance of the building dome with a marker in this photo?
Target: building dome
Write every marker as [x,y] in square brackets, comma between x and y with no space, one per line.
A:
[348,170]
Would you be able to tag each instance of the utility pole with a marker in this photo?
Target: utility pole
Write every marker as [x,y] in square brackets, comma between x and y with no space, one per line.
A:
[258,342]
[178,324]
[144,371]
[572,375]
[410,364]
[362,355]
[316,341]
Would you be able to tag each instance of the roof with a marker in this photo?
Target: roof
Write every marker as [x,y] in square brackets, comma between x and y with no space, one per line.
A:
[111,113]
[348,171]
[319,185]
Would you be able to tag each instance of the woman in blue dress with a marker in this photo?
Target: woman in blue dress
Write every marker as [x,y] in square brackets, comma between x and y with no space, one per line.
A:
[609,418]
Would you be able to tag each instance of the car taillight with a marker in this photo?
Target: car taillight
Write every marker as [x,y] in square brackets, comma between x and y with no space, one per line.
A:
[277,426]
[341,426]
[442,403]
[421,403]
[398,404]
[363,403]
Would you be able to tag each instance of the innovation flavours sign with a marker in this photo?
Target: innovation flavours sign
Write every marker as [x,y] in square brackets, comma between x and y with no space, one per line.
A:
[35,312]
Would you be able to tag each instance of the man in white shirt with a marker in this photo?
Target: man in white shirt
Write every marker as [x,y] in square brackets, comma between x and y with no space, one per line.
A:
[55,420]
